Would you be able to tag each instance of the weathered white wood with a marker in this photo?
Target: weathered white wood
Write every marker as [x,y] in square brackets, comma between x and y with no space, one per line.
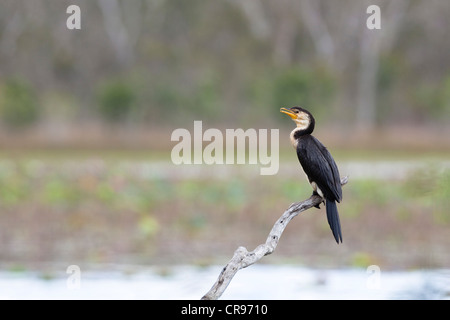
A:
[242,258]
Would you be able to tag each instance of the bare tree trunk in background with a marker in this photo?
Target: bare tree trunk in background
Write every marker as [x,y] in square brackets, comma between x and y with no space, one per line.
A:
[116,21]
[284,42]
[281,28]
[11,33]
[320,35]
[257,20]
[285,32]
[372,44]
[367,80]
[333,42]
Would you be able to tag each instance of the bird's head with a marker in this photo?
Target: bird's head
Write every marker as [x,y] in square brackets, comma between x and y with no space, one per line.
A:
[302,117]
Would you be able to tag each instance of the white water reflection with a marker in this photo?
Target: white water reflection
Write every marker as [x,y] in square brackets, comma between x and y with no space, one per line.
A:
[255,282]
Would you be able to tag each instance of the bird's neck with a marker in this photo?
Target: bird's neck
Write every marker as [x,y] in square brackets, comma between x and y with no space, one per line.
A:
[298,133]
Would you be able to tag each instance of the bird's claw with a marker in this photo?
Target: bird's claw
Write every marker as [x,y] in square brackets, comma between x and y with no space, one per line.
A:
[318,205]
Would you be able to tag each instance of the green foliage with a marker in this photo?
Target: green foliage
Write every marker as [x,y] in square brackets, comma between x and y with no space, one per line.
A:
[166,97]
[205,101]
[262,60]
[309,88]
[60,192]
[391,68]
[433,99]
[175,103]
[292,190]
[236,194]
[431,190]
[112,206]
[13,189]
[148,225]
[362,259]
[116,100]
[18,104]
[370,191]
[442,107]
[291,87]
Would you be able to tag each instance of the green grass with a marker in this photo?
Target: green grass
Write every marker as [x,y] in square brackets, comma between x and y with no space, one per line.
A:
[64,154]
[104,212]
[286,153]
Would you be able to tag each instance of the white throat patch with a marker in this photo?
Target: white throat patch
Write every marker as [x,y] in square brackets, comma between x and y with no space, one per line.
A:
[303,123]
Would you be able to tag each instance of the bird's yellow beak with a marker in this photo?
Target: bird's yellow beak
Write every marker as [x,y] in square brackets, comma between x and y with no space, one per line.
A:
[289,113]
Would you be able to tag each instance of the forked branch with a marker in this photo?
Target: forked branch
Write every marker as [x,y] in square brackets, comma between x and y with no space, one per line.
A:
[242,258]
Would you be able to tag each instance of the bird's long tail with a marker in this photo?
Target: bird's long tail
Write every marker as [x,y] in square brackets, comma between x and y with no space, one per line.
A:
[333,220]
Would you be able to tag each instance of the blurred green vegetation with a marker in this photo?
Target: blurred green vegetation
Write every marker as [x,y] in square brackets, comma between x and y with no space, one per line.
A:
[19,107]
[434,99]
[109,207]
[232,64]
[312,88]
[225,62]
[116,100]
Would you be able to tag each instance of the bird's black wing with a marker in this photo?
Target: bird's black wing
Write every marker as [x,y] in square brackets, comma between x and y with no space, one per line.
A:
[320,167]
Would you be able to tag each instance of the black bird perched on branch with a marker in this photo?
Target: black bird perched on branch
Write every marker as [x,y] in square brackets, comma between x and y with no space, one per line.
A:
[318,164]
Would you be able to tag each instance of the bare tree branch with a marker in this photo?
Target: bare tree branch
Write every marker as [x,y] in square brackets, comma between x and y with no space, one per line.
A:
[317,27]
[242,258]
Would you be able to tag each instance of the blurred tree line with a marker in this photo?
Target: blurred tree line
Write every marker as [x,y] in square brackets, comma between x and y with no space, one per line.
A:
[165,62]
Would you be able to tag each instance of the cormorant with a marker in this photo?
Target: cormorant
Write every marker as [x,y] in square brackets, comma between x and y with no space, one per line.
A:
[318,164]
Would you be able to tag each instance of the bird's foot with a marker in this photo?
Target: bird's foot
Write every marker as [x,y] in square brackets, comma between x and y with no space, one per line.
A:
[317,205]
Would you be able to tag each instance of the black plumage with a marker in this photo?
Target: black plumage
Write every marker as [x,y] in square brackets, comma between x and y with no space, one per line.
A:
[318,165]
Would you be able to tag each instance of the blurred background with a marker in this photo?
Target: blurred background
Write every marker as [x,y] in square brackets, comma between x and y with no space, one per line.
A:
[86,118]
